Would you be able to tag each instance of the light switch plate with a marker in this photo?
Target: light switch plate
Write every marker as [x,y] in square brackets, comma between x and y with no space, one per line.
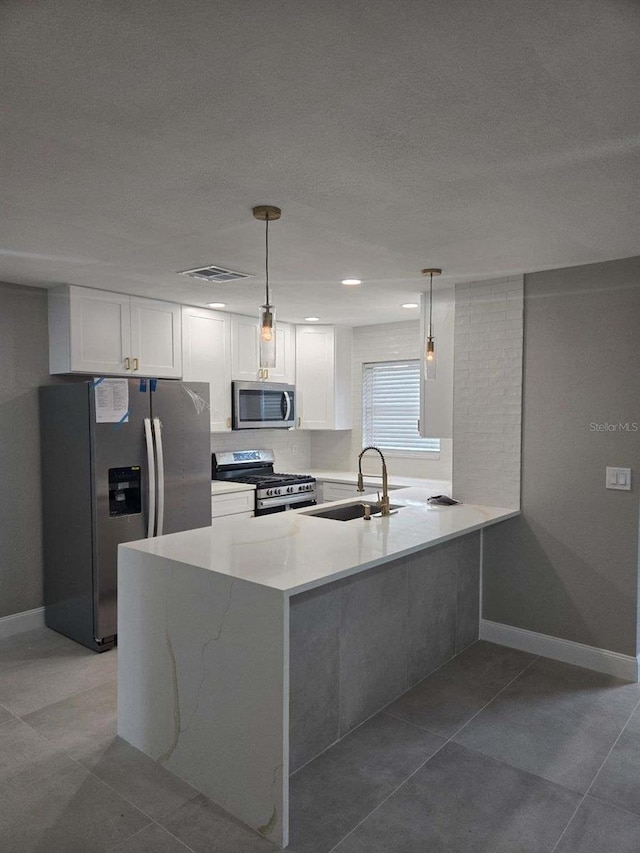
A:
[619,478]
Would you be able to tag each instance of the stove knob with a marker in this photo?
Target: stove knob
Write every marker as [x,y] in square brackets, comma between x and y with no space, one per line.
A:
[278,491]
[290,490]
[268,492]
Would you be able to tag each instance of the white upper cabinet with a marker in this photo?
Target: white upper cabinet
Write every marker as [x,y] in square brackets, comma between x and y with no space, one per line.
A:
[100,325]
[244,348]
[285,369]
[156,337]
[206,357]
[95,331]
[323,377]
[245,353]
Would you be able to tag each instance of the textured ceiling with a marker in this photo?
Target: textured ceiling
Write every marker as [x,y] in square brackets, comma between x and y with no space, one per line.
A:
[484,137]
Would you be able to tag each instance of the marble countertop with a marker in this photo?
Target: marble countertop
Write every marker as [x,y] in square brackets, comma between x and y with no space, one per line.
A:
[293,552]
[351,477]
[224,487]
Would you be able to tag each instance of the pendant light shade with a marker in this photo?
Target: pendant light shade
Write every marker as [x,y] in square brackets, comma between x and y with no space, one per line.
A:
[267,317]
[430,353]
[267,336]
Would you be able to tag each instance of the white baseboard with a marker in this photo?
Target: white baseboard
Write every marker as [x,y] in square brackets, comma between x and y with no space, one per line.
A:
[19,622]
[613,663]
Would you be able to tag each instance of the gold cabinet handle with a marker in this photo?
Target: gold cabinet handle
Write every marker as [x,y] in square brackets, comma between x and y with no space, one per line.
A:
[265,373]
[136,364]
[260,373]
[299,421]
[228,423]
[127,364]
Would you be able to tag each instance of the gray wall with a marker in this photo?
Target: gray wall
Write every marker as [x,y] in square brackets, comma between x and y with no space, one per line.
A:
[24,365]
[568,567]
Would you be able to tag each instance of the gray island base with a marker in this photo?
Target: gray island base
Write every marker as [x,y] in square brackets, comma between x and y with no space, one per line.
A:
[245,653]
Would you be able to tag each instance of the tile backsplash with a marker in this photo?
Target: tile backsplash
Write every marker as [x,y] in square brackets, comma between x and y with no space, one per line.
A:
[292,448]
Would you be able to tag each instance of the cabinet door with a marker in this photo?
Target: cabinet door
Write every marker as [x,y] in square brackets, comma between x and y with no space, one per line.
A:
[156,338]
[285,369]
[222,522]
[314,377]
[244,348]
[100,331]
[245,351]
[235,503]
[206,357]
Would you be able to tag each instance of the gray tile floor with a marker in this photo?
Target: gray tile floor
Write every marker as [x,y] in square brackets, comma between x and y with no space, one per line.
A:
[496,752]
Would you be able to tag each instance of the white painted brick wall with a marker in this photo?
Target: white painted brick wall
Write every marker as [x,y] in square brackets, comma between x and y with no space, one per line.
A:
[339,450]
[487,391]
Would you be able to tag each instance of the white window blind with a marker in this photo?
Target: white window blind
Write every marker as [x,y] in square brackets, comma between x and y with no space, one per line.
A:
[391,407]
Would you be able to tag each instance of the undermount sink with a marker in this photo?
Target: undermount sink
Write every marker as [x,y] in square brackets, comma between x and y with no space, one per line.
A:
[347,512]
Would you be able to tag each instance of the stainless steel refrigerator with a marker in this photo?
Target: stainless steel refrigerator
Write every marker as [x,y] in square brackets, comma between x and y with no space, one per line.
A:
[121,460]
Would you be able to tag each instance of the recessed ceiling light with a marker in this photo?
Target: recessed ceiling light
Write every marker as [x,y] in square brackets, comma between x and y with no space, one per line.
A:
[217,304]
[410,305]
[312,319]
[351,281]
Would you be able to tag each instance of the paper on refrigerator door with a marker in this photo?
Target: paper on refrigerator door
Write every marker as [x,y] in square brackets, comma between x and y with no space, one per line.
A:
[112,400]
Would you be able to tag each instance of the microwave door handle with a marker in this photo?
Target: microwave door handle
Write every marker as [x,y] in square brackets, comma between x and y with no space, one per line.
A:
[157,432]
[287,398]
[151,467]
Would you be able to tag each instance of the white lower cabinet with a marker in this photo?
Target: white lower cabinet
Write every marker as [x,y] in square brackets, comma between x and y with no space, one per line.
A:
[236,504]
[206,357]
[222,521]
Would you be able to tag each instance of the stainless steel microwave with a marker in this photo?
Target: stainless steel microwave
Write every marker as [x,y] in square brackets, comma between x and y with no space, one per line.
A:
[263,405]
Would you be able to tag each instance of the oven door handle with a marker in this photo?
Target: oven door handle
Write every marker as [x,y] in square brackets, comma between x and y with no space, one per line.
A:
[286,398]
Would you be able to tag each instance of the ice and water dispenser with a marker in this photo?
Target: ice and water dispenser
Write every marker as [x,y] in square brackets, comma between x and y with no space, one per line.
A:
[124,491]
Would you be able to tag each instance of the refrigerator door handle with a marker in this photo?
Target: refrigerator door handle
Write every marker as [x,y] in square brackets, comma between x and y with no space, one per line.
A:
[157,432]
[151,466]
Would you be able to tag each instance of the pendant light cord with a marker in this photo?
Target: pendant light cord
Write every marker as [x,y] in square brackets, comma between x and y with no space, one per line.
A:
[266,256]
[430,299]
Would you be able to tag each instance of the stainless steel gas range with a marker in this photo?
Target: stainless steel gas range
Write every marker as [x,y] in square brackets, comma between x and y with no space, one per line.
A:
[274,492]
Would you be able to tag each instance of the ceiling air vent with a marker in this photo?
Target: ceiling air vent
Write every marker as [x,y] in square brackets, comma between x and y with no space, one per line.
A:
[212,273]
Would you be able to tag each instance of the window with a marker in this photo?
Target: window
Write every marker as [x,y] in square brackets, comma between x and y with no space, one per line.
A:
[391,407]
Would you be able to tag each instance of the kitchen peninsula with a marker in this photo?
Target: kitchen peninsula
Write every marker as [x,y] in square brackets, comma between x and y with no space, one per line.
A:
[246,651]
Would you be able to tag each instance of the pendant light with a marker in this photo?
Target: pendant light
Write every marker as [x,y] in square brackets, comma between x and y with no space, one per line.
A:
[267,342]
[427,323]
